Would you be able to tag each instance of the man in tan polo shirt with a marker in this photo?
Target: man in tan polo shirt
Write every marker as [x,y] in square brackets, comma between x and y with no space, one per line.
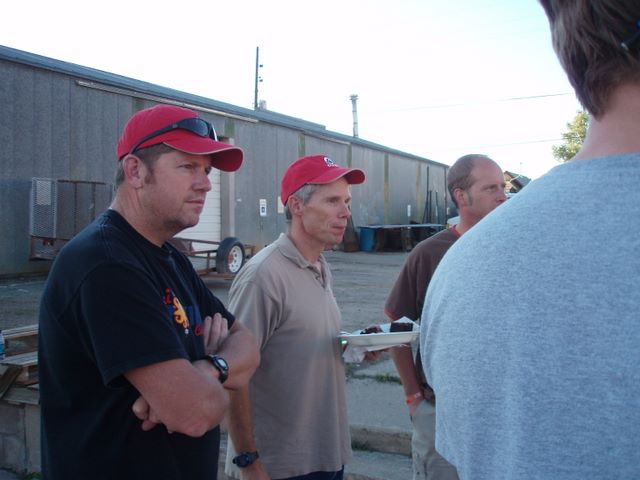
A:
[291,422]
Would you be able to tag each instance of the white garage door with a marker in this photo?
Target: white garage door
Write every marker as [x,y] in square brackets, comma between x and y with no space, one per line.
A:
[210,220]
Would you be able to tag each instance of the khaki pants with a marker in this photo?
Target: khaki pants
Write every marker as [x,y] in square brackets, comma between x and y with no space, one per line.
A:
[427,463]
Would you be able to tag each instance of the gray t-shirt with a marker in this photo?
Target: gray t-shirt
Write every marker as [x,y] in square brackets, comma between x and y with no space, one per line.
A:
[531,331]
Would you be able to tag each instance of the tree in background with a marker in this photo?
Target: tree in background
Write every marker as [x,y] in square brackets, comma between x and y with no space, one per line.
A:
[573,138]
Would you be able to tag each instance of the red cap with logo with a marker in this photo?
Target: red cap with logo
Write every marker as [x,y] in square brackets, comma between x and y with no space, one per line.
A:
[180,129]
[315,169]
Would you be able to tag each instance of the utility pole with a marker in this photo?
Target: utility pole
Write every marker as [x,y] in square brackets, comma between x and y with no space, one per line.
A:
[354,110]
[256,106]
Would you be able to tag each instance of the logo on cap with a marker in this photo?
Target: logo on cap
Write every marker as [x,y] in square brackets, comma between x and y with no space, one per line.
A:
[329,163]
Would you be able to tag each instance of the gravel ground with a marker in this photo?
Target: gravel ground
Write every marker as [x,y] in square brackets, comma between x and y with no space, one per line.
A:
[20,299]
[362,281]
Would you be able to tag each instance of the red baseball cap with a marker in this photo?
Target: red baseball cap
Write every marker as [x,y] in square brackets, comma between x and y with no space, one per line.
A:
[316,169]
[180,129]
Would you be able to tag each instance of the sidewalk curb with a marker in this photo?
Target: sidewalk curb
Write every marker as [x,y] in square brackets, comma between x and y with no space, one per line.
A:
[368,462]
[381,439]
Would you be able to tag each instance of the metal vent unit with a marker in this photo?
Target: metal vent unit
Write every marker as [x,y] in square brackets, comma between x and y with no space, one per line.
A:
[60,209]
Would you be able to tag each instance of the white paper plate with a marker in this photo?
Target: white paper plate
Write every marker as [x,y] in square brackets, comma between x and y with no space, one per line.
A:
[373,339]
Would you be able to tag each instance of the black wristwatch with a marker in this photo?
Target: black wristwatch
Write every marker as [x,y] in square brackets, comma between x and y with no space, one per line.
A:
[221,365]
[245,459]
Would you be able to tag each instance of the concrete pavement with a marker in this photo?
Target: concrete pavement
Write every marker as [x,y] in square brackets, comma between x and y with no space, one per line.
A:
[380,423]
[378,418]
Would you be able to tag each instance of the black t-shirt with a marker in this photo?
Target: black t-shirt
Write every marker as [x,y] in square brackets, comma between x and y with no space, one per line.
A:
[114,302]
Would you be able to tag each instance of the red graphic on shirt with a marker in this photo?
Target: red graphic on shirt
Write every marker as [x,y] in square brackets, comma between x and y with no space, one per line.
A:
[179,314]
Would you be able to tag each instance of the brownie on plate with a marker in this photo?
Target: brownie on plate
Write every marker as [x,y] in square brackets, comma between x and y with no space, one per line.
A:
[401,327]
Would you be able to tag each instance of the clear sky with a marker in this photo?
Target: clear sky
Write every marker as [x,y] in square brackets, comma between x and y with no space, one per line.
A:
[434,78]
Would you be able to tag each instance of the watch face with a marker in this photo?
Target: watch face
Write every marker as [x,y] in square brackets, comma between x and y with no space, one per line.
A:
[221,365]
[222,362]
[245,459]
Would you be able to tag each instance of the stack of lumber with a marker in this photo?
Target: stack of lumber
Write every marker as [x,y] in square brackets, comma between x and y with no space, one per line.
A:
[20,365]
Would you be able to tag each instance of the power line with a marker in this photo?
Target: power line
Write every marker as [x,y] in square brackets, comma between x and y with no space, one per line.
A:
[479,102]
[496,145]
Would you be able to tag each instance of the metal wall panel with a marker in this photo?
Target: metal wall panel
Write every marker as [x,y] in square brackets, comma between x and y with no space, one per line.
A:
[63,121]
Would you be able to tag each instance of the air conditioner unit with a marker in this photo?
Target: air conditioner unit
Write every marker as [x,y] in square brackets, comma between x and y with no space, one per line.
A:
[60,209]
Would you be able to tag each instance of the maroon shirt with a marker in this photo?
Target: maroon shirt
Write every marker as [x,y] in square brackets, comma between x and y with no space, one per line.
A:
[407,296]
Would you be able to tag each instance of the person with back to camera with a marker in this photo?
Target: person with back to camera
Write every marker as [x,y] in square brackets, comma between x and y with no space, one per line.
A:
[476,185]
[292,421]
[536,367]
[135,353]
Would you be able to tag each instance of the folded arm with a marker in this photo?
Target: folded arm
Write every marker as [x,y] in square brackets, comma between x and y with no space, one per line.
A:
[183,396]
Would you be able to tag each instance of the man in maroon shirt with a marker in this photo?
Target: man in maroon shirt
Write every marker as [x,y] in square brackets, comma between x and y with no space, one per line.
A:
[476,185]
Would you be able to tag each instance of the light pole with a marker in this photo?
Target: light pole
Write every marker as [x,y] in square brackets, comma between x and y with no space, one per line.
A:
[354,112]
[258,79]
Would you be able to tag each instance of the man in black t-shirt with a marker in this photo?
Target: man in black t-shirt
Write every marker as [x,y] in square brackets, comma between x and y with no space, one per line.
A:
[133,348]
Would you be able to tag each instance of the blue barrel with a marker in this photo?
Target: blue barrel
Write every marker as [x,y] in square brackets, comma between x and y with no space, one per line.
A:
[367,239]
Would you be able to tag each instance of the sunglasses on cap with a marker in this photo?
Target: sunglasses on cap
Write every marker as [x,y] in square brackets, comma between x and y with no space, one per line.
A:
[195,125]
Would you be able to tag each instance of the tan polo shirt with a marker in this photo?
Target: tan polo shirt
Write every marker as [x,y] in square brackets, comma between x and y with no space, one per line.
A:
[298,391]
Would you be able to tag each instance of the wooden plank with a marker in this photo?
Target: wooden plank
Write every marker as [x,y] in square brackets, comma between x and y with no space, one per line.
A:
[8,378]
[21,339]
[21,360]
[28,365]
[21,394]
[19,332]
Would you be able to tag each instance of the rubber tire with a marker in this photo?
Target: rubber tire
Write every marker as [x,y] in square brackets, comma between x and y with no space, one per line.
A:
[230,256]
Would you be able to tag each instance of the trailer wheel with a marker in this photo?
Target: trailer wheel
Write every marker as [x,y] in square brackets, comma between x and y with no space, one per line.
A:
[230,256]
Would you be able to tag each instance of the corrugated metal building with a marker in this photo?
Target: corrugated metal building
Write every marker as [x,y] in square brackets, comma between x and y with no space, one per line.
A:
[59,125]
